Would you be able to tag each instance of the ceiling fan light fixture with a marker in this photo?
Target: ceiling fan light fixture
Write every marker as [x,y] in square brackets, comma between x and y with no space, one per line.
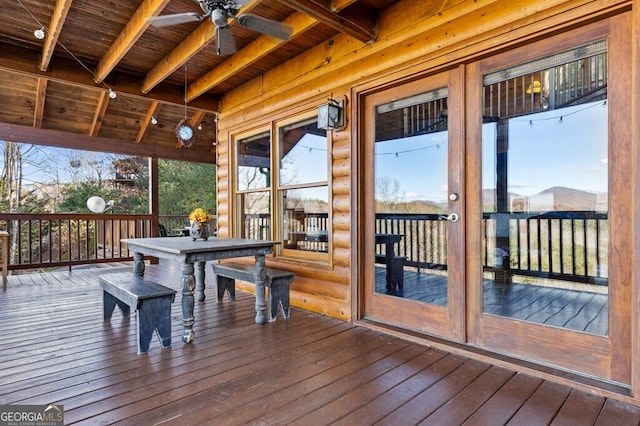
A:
[219,17]
[39,33]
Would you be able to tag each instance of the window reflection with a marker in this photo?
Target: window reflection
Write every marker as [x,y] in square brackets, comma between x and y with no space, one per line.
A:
[545,191]
[303,188]
[306,215]
[253,187]
[254,162]
[411,190]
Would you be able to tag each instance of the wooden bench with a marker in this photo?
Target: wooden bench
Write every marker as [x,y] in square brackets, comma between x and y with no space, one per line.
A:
[396,277]
[278,282]
[151,301]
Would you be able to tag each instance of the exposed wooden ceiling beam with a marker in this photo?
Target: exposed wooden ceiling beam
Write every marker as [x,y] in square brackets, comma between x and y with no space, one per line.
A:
[41,95]
[14,132]
[196,41]
[197,118]
[259,48]
[16,59]
[360,25]
[53,32]
[146,123]
[98,116]
[128,37]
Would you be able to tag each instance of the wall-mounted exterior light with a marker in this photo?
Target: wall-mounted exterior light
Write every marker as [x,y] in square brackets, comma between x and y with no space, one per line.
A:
[330,115]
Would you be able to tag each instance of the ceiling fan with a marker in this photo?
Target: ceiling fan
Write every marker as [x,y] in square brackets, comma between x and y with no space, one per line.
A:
[220,12]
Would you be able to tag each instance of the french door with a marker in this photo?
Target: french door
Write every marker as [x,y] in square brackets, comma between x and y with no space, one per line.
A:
[497,203]
[414,238]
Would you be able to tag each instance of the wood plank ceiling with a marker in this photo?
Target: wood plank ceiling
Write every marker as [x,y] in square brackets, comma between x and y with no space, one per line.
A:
[55,90]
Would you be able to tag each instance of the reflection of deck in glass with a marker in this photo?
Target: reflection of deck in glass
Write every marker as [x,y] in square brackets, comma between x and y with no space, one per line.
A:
[566,308]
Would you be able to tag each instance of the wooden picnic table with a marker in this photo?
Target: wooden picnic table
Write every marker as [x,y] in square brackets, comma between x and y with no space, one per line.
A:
[193,255]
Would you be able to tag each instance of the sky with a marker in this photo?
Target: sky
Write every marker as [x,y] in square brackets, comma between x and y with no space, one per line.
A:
[544,151]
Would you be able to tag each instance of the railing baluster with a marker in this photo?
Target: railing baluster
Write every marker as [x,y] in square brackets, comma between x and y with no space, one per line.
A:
[598,271]
[586,246]
[573,248]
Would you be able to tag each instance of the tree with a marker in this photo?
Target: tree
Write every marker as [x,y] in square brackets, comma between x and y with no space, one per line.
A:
[184,186]
[75,196]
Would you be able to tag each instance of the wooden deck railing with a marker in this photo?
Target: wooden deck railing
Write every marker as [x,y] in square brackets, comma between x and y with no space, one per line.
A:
[567,245]
[55,240]
[68,239]
[563,245]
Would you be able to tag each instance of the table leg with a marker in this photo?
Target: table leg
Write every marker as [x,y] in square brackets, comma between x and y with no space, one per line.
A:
[188,317]
[200,286]
[260,279]
[389,254]
[138,264]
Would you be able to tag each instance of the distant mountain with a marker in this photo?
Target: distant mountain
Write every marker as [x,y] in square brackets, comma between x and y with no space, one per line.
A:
[554,198]
[564,198]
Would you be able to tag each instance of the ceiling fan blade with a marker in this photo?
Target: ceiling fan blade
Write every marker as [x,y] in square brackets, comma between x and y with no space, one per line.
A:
[265,26]
[178,18]
[225,44]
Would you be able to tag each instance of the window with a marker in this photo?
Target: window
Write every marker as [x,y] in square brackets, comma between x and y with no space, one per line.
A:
[300,185]
[546,187]
[253,190]
[303,190]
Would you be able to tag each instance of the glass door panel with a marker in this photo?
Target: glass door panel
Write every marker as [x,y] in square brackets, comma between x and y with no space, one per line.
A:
[550,248]
[411,187]
[545,191]
[413,226]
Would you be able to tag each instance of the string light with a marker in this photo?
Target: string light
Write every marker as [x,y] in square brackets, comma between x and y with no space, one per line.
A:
[397,153]
[153,120]
[311,148]
[42,30]
[560,118]
[39,33]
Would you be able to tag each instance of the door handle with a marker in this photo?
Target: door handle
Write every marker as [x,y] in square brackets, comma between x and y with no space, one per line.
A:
[453,217]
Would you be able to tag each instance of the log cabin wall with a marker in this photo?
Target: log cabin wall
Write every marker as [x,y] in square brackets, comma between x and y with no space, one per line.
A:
[415,38]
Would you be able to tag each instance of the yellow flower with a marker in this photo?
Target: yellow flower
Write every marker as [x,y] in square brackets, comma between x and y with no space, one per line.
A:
[200,215]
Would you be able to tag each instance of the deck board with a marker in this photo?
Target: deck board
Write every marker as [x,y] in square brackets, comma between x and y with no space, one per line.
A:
[306,370]
[572,309]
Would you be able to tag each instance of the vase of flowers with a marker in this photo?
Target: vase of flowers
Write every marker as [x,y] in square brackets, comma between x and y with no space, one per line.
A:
[199,219]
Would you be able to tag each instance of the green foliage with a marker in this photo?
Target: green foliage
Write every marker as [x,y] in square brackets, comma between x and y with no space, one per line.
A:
[184,186]
[63,180]
[75,196]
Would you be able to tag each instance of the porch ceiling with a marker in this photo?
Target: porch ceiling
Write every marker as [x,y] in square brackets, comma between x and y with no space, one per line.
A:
[55,91]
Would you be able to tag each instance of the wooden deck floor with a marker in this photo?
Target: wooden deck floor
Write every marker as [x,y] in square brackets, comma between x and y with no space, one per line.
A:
[571,309]
[307,370]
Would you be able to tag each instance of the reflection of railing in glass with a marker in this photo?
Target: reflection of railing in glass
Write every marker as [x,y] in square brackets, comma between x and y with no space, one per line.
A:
[257,226]
[306,231]
[572,246]
[566,245]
